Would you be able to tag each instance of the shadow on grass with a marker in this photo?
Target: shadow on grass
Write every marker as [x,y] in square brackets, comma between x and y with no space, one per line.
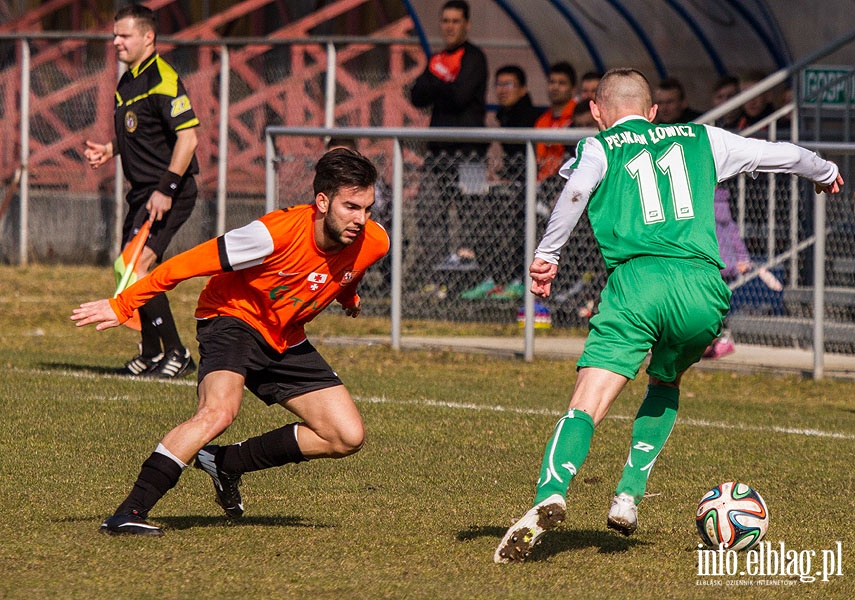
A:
[560,540]
[194,521]
[115,372]
[191,522]
[93,369]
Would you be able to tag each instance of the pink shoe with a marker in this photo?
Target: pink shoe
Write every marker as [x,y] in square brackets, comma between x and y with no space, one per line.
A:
[720,347]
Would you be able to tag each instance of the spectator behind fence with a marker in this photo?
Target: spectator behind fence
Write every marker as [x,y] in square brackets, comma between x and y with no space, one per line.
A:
[670,96]
[454,83]
[758,108]
[582,116]
[561,89]
[501,254]
[453,86]
[588,86]
[737,261]
[576,288]
[724,89]
[515,110]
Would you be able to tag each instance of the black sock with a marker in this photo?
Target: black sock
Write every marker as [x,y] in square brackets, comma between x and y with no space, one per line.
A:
[150,338]
[158,475]
[157,314]
[272,449]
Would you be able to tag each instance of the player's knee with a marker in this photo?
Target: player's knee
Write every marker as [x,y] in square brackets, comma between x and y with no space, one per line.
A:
[214,420]
[348,440]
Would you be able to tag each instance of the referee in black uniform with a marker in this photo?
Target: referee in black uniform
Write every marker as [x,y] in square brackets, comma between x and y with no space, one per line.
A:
[156,137]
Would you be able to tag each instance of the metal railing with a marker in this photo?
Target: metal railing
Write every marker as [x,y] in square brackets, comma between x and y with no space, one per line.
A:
[530,137]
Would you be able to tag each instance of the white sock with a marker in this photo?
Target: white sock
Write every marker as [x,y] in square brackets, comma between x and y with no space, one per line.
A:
[161,449]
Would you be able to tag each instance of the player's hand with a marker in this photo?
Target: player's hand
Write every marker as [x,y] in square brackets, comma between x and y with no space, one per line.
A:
[353,311]
[542,274]
[829,188]
[99,312]
[158,205]
[96,154]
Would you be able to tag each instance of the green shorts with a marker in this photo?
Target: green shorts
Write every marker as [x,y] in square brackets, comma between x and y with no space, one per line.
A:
[671,307]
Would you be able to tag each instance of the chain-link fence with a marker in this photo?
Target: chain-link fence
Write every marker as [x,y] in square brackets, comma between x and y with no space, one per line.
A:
[464,257]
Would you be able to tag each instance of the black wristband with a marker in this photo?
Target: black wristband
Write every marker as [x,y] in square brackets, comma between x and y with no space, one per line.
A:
[169,183]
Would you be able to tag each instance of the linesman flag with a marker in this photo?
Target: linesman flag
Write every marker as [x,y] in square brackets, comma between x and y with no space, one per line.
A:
[125,268]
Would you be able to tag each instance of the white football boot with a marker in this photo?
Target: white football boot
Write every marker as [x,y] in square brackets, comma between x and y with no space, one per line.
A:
[623,515]
[525,533]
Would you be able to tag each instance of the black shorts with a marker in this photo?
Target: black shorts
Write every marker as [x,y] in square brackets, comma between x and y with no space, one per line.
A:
[229,344]
[162,231]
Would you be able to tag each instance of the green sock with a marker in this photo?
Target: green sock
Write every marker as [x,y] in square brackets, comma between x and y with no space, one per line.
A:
[565,453]
[653,425]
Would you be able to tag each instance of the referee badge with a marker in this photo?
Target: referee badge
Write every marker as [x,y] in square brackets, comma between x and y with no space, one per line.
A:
[131,121]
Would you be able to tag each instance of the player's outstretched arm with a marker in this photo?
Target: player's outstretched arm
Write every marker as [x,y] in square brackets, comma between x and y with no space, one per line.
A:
[99,312]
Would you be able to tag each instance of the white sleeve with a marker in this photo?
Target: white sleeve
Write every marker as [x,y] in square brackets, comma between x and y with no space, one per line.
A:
[734,154]
[245,247]
[583,176]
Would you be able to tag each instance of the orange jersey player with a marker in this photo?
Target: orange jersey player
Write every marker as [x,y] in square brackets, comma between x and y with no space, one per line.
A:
[269,279]
[271,274]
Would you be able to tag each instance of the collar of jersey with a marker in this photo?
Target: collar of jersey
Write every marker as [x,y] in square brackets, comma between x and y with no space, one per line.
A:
[144,65]
[627,118]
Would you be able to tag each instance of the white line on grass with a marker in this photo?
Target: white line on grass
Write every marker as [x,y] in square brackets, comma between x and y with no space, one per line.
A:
[556,413]
[476,407]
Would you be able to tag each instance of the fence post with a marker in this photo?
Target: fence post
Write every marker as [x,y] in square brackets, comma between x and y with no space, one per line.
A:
[329,108]
[24,189]
[819,287]
[223,142]
[270,186]
[530,216]
[397,239]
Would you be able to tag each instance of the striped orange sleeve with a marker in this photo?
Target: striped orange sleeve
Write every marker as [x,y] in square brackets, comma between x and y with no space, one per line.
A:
[201,261]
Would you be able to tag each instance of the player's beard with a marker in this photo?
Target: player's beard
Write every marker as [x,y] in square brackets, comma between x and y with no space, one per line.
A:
[338,233]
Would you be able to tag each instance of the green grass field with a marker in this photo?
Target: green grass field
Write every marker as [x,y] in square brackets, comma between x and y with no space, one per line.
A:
[452,455]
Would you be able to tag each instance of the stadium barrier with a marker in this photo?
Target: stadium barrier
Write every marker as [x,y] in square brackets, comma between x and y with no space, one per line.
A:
[462,228]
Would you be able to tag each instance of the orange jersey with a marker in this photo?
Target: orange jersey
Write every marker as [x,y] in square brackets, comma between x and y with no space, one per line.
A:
[269,274]
[550,157]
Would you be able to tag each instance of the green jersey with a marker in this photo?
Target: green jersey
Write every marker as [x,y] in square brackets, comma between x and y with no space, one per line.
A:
[649,188]
[656,198]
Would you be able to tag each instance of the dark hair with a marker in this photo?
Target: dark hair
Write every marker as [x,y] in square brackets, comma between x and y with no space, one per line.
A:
[582,108]
[672,83]
[564,68]
[460,5]
[588,76]
[514,70]
[725,81]
[341,142]
[342,168]
[143,15]
[754,76]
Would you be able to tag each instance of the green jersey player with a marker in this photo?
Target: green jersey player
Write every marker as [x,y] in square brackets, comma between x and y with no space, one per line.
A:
[648,190]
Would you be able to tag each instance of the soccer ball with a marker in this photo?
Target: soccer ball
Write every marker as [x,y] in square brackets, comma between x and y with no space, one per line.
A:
[732,514]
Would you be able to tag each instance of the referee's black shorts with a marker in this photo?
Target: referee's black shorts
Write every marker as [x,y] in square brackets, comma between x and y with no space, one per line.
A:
[229,344]
[162,231]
